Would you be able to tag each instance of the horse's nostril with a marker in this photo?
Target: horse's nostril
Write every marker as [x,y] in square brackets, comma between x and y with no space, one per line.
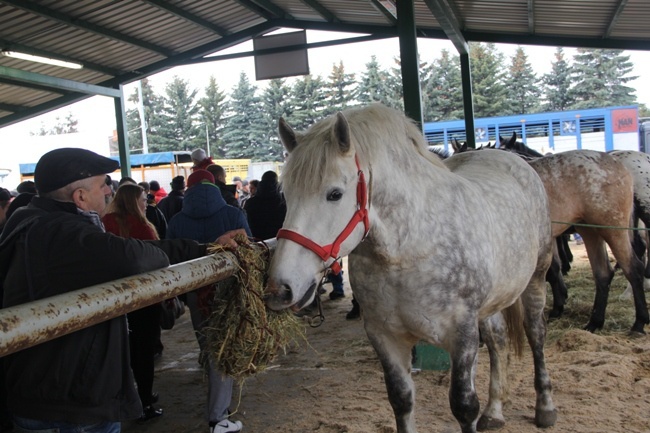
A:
[285,293]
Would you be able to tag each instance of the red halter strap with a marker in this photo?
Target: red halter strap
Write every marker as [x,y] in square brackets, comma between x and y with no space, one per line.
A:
[331,251]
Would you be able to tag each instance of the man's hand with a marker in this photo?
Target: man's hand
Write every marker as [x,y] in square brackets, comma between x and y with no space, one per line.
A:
[227,239]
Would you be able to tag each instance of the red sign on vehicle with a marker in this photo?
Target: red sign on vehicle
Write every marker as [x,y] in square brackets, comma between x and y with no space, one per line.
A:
[625,120]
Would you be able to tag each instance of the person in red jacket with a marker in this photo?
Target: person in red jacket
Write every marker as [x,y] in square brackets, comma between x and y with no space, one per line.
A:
[125,217]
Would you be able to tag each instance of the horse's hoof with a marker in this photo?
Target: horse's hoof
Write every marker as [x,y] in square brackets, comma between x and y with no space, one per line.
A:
[593,327]
[555,313]
[545,418]
[637,330]
[489,423]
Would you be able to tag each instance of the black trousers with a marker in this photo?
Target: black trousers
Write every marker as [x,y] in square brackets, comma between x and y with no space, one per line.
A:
[144,332]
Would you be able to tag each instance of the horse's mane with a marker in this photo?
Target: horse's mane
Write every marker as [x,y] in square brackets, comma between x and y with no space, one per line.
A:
[372,129]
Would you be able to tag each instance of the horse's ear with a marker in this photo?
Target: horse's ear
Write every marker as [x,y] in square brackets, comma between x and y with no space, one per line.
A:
[341,132]
[287,135]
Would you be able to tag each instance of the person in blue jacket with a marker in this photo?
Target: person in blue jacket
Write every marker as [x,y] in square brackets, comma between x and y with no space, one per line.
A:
[205,216]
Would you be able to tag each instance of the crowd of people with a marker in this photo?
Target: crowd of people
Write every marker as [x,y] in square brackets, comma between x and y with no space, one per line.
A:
[93,379]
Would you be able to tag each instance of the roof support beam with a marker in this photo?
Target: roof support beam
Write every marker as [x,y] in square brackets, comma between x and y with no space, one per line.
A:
[558,41]
[449,23]
[531,17]
[57,83]
[468,100]
[322,11]
[388,8]
[182,13]
[29,85]
[409,62]
[286,48]
[88,26]
[617,13]
[12,108]
[265,8]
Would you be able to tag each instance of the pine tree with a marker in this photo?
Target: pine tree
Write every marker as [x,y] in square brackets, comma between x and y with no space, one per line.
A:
[179,114]
[373,86]
[394,88]
[442,93]
[308,102]
[275,103]
[212,109]
[152,105]
[68,125]
[243,134]
[600,77]
[523,90]
[557,84]
[490,94]
[339,89]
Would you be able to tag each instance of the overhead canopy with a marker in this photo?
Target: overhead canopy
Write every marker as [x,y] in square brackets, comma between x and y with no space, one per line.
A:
[118,42]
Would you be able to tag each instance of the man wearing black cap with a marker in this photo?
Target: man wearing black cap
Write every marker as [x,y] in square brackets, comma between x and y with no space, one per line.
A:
[56,244]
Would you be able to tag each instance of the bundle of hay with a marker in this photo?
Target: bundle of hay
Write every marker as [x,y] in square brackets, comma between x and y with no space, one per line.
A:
[242,335]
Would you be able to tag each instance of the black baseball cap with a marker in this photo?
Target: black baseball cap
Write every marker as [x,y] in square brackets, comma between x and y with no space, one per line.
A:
[61,167]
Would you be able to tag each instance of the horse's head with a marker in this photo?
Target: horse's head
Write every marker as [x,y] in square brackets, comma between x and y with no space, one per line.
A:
[518,147]
[326,197]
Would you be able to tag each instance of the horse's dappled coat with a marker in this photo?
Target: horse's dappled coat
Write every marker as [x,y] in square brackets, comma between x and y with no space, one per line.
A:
[443,256]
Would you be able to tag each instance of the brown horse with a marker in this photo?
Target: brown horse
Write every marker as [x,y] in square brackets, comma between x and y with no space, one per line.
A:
[593,188]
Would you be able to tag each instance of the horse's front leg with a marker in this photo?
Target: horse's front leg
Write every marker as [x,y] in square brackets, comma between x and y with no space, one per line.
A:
[462,392]
[395,356]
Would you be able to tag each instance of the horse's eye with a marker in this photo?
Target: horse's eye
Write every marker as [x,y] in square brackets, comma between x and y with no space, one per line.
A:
[334,195]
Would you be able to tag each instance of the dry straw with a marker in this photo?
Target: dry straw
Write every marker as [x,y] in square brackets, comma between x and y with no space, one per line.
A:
[243,336]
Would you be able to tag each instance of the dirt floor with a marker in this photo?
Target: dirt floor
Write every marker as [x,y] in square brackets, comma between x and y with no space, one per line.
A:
[335,384]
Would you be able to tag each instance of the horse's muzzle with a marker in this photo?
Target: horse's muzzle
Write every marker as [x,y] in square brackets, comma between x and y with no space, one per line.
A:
[280,296]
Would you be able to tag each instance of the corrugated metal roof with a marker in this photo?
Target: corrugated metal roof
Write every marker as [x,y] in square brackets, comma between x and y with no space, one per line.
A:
[121,41]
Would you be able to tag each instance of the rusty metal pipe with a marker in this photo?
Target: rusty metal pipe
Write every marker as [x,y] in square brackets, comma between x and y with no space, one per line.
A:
[27,325]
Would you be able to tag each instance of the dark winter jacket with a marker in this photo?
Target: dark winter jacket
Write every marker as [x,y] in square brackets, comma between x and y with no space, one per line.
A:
[227,195]
[48,248]
[157,218]
[205,215]
[171,205]
[266,211]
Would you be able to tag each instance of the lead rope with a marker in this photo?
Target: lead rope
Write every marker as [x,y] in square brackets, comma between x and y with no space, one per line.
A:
[318,319]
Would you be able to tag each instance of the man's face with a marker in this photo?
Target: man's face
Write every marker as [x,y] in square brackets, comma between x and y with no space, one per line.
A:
[93,196]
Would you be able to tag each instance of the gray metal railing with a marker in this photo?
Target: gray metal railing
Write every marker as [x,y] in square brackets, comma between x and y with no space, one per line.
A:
[27,325]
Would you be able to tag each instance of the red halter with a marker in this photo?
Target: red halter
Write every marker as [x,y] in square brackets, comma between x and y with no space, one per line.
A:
[331,251]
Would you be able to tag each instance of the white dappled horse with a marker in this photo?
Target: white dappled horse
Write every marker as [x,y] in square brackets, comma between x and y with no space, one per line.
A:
[448,247]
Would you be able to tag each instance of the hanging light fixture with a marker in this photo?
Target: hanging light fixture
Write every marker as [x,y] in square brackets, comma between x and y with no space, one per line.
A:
[40,59]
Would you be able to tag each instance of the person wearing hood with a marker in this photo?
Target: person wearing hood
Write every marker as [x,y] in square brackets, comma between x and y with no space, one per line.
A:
[266,209]
[205,215]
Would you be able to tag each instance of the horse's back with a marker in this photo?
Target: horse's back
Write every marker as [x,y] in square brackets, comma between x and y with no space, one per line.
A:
[511,212]
[585,183]
[638,164]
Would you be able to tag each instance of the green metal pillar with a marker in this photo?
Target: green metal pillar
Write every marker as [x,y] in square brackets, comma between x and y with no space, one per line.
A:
[468,104]
[122,136]
[408,47]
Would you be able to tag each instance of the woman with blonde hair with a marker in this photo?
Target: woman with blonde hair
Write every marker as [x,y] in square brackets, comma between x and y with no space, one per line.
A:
[125,217]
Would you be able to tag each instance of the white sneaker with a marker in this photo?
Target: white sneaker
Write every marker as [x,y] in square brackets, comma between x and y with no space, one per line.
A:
[227,426]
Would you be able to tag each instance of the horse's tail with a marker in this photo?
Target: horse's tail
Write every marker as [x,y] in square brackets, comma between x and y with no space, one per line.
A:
[514,317]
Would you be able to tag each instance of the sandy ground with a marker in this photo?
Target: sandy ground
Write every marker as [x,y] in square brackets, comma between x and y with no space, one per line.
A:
[335,384]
